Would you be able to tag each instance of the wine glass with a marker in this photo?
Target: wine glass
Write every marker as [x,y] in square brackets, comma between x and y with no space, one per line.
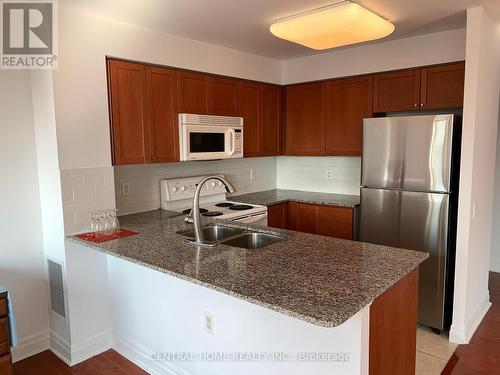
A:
[94,227]
[115,224]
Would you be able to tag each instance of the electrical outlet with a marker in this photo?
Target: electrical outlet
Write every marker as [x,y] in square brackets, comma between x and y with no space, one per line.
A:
[125,189]
[329,174]
[475,208]
[253,174]
[209,322]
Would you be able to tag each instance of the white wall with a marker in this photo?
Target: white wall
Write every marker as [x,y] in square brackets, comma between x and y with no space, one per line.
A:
[310,174]
[403,53]
[480,122]
[22,263]
[495,235]
[49,180]
[144,180]
[80,81]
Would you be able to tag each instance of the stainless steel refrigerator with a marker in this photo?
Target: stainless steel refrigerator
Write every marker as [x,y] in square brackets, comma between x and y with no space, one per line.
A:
[409,194]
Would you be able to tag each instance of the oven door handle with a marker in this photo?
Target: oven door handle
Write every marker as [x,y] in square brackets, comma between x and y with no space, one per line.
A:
[233,142]
[251,219]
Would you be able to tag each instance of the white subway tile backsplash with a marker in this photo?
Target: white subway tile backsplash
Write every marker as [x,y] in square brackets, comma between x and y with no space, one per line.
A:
[310,174]
[86,189]
[92,181]
[83,190]
[70,182]
[85,193]
[80,172]
[67,194]
[144,180]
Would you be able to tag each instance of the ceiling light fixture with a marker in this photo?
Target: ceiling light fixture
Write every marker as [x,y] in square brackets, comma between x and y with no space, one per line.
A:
[332,26]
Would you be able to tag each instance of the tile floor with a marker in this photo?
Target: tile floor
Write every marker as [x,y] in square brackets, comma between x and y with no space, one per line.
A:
[433,352]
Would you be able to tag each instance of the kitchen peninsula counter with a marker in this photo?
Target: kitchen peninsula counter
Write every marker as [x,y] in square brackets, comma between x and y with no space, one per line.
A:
[321,280]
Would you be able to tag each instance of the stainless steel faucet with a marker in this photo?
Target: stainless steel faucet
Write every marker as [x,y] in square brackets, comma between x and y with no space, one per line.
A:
[195,217]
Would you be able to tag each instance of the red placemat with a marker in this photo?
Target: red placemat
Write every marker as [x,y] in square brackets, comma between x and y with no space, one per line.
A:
[101,237]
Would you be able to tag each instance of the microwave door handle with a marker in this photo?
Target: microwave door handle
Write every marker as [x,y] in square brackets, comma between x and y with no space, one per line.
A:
[233,141]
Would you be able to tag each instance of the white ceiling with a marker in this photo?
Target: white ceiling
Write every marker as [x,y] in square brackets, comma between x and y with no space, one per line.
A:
[244,24]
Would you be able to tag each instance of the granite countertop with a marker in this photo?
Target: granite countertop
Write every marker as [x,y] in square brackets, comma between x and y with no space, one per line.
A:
[321,280]
[270,197]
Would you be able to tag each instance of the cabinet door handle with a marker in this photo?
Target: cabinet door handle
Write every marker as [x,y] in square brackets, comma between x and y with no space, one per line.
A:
[421,104]
[415,105]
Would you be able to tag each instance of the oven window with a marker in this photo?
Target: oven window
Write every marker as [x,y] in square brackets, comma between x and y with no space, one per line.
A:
[206,142]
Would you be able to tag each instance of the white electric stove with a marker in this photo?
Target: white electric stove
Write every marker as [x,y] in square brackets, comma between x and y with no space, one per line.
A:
[177,195]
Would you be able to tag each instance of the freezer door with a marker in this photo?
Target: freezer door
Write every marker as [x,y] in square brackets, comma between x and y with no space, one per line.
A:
[416,221]
[411,153]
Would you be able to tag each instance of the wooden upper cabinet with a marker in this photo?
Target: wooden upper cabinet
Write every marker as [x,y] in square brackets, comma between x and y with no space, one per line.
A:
[162,115]
[396,91]
[443,86]
[223,96]
[127,94]
[349,102]
[249,94]
[270,120]
[192,92]
[305,119]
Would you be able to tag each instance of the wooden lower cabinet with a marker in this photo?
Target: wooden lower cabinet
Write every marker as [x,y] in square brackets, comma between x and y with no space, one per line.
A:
[277,216]
[311,218]
[335,222]
[5,358]
[303,217]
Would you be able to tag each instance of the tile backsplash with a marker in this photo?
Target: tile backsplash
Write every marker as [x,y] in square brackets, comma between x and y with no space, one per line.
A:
[83,190]
[325,174]
[144,180]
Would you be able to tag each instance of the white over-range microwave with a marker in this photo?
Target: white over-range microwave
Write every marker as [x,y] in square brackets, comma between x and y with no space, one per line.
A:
[205,137]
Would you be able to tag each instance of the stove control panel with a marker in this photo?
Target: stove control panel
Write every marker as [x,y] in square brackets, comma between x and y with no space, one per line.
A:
[184,188]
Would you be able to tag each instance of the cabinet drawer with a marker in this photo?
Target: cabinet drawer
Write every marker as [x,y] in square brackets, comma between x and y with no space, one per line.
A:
[337,214]
[6,365]
[335,222]
[3,307]
[4,329]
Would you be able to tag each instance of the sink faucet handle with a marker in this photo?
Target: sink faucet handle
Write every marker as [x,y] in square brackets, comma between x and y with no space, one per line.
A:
[189,219]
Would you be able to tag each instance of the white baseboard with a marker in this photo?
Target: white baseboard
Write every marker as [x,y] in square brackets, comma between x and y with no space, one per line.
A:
[462,334]
[31,345]
[90,347]
[60,347]
[74,354]
[140,355]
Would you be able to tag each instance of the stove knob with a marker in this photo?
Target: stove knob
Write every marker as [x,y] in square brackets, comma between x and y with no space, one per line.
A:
[174,189]
[212,184]
[220,183]
[183,188]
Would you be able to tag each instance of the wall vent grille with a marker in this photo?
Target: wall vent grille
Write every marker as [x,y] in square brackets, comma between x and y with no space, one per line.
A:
[193,119]
[57,304]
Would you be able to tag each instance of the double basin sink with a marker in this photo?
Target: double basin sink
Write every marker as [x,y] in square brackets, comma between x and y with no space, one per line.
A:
[215,234]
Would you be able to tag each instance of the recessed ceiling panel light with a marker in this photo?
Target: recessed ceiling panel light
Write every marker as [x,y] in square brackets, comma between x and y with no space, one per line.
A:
[336,25]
